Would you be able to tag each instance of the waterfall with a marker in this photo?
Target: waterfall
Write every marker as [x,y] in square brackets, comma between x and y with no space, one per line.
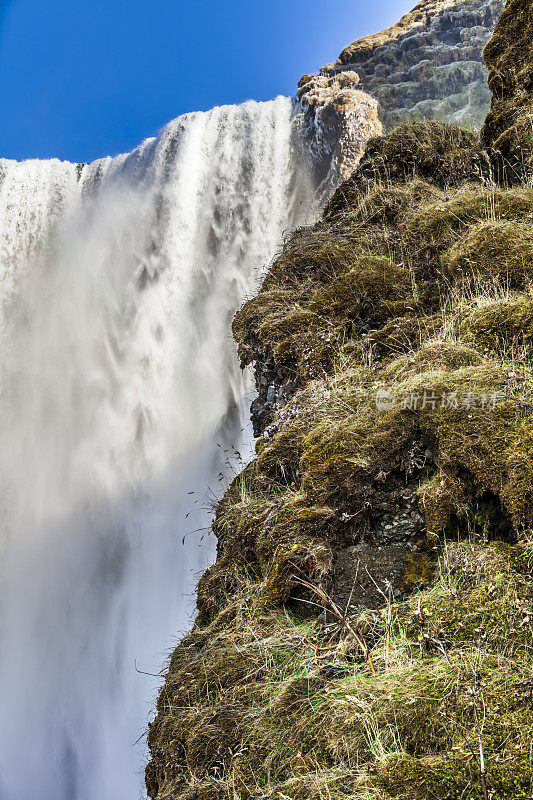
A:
[120,397]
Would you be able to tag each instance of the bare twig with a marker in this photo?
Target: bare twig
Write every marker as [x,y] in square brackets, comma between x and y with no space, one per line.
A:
[327,602]
[388,599]
[152,674]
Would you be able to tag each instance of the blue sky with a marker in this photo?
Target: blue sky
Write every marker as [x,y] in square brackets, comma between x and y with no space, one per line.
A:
[84,78]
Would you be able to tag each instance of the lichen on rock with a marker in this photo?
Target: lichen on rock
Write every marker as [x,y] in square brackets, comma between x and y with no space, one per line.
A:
[430,64]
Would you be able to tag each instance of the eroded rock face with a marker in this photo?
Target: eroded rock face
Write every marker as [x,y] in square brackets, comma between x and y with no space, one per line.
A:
[430,64]
[341,120]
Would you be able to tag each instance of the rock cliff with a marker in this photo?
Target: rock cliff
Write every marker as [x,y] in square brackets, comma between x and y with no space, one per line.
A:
[430,64]
[340,119]
[366,631]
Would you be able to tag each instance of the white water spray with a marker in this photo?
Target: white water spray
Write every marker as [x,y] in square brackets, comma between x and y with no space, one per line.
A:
[118,379]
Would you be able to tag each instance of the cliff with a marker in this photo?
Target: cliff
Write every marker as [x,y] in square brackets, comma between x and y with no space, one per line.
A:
[367,629]
[429,65]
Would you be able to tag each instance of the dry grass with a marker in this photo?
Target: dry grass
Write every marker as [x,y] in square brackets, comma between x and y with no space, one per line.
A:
[508,128]
[276,705]
[269,697]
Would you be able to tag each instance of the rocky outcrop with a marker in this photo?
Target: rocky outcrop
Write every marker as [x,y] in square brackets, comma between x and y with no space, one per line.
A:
[341,119]
[430,64]
[371,598]
[509,126]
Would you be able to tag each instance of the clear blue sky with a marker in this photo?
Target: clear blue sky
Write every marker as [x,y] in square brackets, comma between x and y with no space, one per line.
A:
[85,78]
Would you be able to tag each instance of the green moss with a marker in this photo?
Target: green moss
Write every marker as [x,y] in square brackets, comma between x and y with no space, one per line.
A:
[489,602]
[418,571]
[436,227]
[253,705]
[433,355]
[447,155]
[440,154]
[508,128]
[466,433]
[295,542]
[448,778]
[493,252]
[405,333]
[269,696]
[354,288]
[501,326]
[442,498]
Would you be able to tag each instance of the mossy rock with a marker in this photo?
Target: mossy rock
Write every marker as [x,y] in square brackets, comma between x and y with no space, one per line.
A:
[493,252]
[443,155]
[442,498]
[475,430]
[500,326]
[508,128]
[434,228]
[405,333]
[271,695]
[447,778]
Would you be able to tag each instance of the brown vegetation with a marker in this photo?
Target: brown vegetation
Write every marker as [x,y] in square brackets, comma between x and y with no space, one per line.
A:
[367,629]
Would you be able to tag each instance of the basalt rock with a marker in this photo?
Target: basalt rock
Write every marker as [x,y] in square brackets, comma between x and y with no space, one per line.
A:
[341,119]
[429,65]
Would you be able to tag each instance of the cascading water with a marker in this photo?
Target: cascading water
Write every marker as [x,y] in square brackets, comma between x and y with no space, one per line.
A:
[119,391]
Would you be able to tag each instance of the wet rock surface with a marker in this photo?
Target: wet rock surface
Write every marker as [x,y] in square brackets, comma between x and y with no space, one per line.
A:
[340,121]
[273,391]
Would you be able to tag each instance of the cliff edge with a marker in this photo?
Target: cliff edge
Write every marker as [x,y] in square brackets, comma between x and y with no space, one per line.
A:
[429,65]
[366,631]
